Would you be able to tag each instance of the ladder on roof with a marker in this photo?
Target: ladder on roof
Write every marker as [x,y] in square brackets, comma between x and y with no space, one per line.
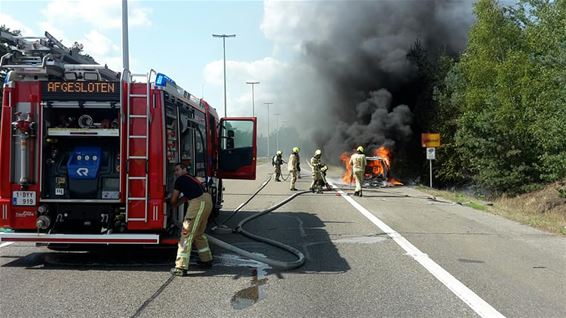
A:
[45,55]
[137,108]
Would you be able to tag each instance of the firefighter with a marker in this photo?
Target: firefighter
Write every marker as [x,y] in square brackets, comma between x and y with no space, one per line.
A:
[277,161]
[358,163]
[196,217]
[325,183]
[292,165]
[317,167]
[298,163]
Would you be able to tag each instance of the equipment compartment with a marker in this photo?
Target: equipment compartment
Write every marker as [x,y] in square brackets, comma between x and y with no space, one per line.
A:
[81,154]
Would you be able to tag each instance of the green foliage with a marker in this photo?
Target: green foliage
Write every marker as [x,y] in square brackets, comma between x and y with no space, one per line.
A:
[502,107]
[449,98]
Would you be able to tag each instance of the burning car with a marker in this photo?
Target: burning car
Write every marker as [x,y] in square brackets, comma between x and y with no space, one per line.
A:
[377,172]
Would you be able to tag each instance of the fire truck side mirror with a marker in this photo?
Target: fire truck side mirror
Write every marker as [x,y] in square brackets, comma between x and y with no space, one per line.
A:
[229,143]
[230,139]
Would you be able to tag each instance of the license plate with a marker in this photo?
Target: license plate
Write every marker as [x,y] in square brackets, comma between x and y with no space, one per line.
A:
[23,198]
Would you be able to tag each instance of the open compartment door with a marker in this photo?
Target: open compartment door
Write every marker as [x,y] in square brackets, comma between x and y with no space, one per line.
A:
[238,149]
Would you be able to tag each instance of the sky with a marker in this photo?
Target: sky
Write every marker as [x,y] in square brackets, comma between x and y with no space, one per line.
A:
[174,38]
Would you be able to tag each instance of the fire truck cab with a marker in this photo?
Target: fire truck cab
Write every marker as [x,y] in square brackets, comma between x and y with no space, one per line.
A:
[87,155]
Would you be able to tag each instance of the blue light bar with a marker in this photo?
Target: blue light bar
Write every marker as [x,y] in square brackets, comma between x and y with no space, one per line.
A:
[163,80]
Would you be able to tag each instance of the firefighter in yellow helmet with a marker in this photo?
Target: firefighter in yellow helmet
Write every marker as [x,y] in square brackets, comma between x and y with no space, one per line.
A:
[317,172]
[358,163]
[277,161]
[292,165]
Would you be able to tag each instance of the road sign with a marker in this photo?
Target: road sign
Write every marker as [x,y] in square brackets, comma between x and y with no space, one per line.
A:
[431,153]
[430,140]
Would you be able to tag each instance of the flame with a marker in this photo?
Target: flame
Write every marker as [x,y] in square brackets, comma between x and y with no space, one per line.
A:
[395,182]
[347,177]
[378,167]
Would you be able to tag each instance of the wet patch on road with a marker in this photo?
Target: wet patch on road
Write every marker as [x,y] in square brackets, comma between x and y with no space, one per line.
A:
[258,285]
[253,294]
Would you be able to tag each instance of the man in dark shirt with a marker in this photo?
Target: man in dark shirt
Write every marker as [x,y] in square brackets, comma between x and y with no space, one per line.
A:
[196,217]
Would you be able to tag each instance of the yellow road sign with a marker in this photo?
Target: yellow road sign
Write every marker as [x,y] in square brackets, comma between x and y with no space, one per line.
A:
[430,140]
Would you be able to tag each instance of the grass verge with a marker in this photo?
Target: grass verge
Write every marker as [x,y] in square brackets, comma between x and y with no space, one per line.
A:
[544,209]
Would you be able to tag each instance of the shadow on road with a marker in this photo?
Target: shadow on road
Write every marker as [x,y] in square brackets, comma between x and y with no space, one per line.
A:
[301,230]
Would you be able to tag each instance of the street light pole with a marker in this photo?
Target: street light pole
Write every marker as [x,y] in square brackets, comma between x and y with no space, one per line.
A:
[268,152]
[252,83]
[224,36]
[277,134]
[125,45]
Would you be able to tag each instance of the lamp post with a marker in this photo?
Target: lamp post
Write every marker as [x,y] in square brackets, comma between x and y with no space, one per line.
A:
[253,83]
[224,36]
[268,152]
[125,45]
[277,134]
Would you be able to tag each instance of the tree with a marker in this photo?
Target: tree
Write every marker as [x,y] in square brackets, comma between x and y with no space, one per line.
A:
[493,131]
[448,94]
[504,100]
[544,23]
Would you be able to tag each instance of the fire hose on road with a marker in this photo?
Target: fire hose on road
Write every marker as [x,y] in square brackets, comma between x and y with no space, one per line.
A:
[223,229]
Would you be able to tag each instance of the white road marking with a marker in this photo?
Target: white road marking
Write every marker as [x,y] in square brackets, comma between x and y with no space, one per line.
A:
[6,244]
[480,306]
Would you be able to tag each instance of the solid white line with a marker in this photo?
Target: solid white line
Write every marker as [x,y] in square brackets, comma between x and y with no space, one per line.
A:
[6,244]
[480,306]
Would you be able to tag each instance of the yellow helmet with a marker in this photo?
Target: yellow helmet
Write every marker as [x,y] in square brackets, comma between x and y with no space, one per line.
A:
[360,149]
[279,152]
[296,149]
[318,152]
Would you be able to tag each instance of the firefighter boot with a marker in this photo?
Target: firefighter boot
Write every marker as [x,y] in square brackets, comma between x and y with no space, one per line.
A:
[178,272]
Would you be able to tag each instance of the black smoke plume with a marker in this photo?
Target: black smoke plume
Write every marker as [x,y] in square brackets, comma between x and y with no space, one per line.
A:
[364,88]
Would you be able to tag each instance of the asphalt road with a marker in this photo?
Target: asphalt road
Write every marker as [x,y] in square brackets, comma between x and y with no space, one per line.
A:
[393,253]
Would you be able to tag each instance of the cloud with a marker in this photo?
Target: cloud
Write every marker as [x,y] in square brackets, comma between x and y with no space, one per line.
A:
[102,14]
[100,20]
[267,71]
[103,49]
[14,24]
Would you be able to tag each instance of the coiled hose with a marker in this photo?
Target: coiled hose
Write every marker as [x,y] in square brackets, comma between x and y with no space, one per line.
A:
[240,229]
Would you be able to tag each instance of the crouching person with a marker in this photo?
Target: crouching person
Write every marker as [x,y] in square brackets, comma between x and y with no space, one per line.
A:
[196,217]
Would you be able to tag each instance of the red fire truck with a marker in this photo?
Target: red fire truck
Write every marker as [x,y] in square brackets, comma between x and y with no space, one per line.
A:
[87,155]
